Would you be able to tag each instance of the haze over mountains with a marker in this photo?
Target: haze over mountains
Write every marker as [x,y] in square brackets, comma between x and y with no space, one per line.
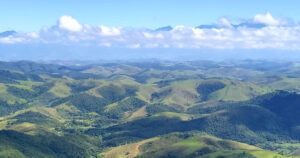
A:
[128,109]
[150,79]
[7,33]
[261,37]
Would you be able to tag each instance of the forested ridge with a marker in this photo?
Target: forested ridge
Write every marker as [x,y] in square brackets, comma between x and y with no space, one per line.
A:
[158,109]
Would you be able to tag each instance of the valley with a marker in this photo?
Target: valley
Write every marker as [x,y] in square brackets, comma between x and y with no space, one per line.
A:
[248,108]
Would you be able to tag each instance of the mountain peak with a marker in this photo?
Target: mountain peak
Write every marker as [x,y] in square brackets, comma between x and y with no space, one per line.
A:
[165,28]
[7,33]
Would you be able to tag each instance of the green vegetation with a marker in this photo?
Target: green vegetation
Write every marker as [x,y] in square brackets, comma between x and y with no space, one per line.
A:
[188,145]
[151,109]
[60,89]
[206,88]
[18,144]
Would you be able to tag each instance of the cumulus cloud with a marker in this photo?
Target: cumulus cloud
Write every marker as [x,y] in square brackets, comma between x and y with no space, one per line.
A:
[267,19]
[107,31]
[273,34]
[70,24]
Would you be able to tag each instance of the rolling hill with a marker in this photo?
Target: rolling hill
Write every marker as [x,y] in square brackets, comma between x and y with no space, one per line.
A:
[200,109]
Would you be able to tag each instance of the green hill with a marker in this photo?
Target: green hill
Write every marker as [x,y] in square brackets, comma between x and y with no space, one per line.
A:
[15,144]
[187,145]
[48,110]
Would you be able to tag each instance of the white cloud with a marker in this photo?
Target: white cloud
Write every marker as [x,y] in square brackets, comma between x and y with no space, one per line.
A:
[226,36]
[107,31]
[11,40]
[33,35]
[225,22]
[70,24]
[267,19]
[153,35]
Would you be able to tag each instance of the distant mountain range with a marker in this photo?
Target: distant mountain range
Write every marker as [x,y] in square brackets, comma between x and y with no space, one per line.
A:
[165,28]
[150,109]
[246,24]
[7,33]
[216,26]
[169,28]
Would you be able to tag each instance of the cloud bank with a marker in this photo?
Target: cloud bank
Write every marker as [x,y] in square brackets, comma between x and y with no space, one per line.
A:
[263,31]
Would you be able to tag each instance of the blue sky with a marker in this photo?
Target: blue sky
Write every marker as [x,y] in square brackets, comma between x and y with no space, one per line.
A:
[31,15]
[79,29]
